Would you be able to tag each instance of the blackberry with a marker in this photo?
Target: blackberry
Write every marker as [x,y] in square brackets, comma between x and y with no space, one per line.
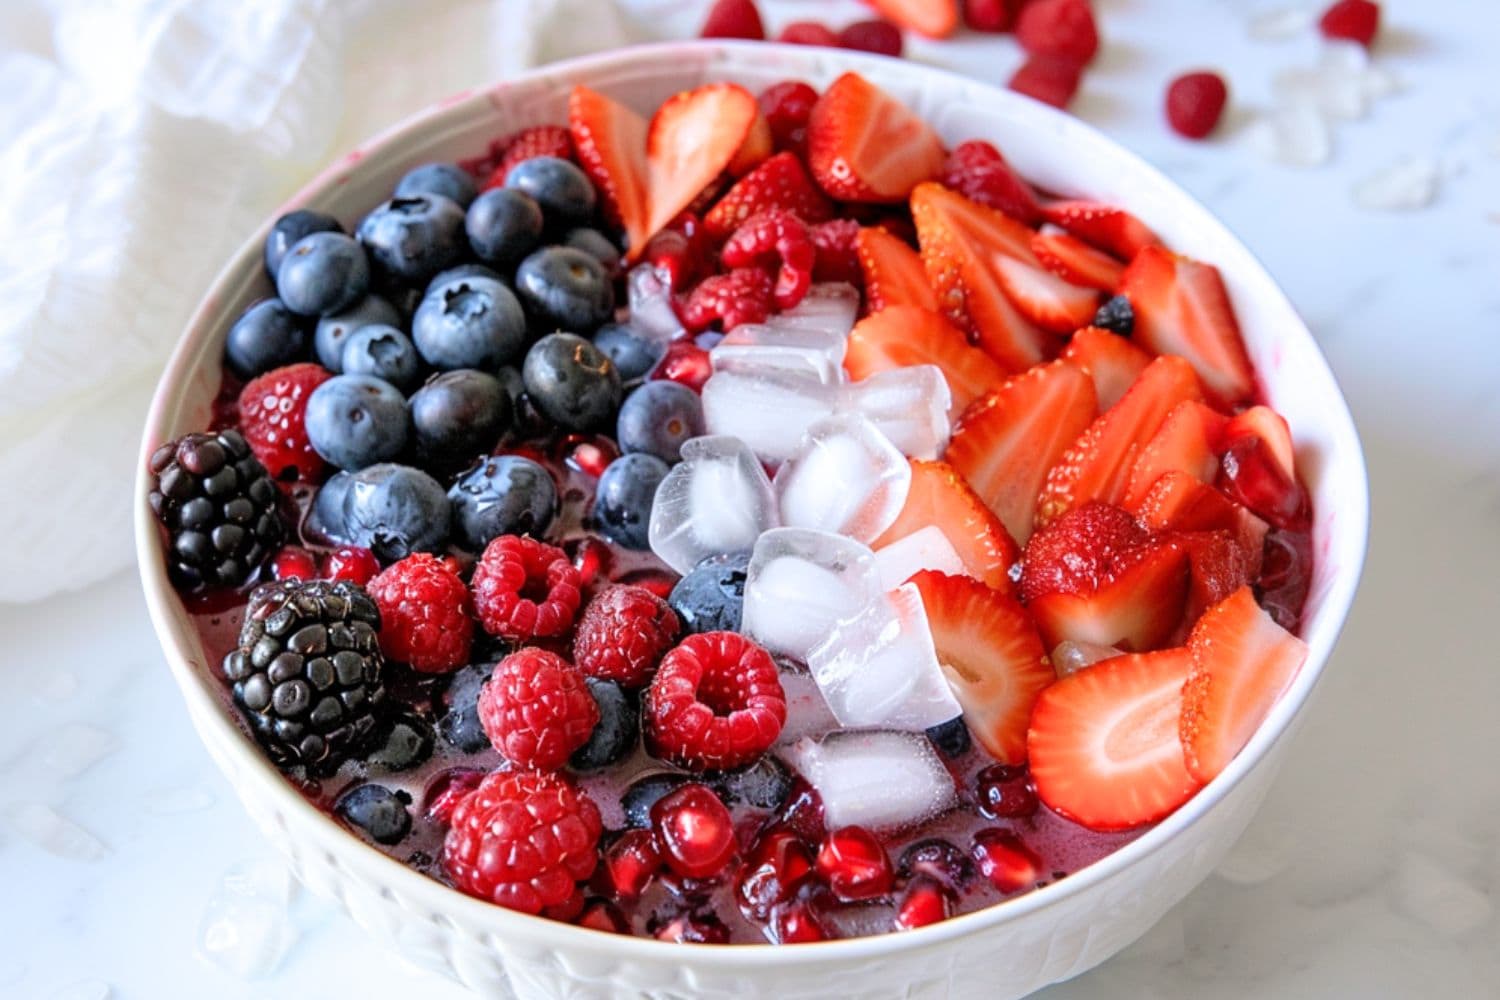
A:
[307,673]
[218,504]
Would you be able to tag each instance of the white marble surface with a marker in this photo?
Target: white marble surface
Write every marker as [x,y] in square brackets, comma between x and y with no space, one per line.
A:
[1374,868]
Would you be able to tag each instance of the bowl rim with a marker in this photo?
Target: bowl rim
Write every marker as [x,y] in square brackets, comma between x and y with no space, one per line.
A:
[204,703]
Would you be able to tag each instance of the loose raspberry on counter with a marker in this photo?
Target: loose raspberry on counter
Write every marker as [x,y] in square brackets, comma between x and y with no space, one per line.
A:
[733,19]
[525,589]
[1049,80]
[809,33]
[741,296]
[775,238]
[272,409]
[523,840]
[536,709]
[1059,29]
[875,35]
[1195,103]
[623,634]
[1351,20]
[716,702]
[425,614]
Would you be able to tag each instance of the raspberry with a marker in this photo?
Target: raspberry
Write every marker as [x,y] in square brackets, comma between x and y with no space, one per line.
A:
[716,702]
[622,635]
[1059,29]
[808,33]
[272,408]
[523,840]
[775,235]
[733,19]
[787,106]
[741,296]
[1051,81]
[990,15]
[424,614]
[838,257]
[525,589]
[876,35]
[529,143]
[1195,102]
[976,170]
[1351,20]
[349,562]
[536,709]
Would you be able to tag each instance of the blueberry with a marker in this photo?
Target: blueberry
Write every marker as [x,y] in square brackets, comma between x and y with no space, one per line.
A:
[267,335]
[322,274]
[505,495]
[445,179]
[711,597]
[357,420]
[503,226]
[560,188]
[644,792]
[290,228]
[411,239]
[633,354]
[571,382]
[1117,316]
[951,737]
[564,288]
[460,272]
[657,417]
[395,510]
[460,725]
[457,415]
[378,811]
[619,725]
[764,784]
[469,323]
[407,744]
[596,245]
[384,352]
[622,505]
[328,339]
[325,522]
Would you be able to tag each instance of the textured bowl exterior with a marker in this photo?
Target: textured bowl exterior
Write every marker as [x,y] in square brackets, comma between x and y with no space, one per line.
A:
[1002,952]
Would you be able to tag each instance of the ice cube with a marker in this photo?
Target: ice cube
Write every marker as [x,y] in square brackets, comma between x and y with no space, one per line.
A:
[1401,187]
[807,714]
[828,308]
[55,833]
[177,801]
[651,311]
[801,583]
[1070,657]
[879,668]
[717,500]
[246,929]
[1428,892]
[1280,24]
[73,749]
[1336,94]
[754,347]
[846,478]
[878,779]
[1295,136]
[768,410]
[910,406]
[925,548]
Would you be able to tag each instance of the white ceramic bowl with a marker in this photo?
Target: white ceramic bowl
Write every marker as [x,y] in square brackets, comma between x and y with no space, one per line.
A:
[1001,952]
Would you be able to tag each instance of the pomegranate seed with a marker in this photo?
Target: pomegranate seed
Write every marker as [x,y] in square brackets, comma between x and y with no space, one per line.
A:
[796,923]
[629,864]
[591,558]
[938,860]
[780,863]
[685,363]
[925,902]
[854,864]
[671,252]
[1250,474]
[694,831]
[802,812]
[444,792]
[351,563]
[698,927]
[657,581]
[602,915]
[1284,579]
[876,35]
[1006,792]
[293,561]
[588,453]
[808,33]
[1007,862]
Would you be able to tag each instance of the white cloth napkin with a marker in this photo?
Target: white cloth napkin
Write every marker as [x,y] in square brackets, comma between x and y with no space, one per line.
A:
[142,142]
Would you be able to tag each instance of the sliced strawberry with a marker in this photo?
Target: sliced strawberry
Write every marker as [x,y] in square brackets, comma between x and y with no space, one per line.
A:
[1258,468]
[1075,261]
[1179,502]
[1099,464]
[908,335]
[691,140]
[1103,741]
[611,143]
[1181,308]
[961,241]
[976,170]
[1005,444]
[529,143]
[756,149]
[864,145]
[992,656]
[1187,441]
[933,18]
[893,273]
[1110,229]
[1241,663]
[940,496]
[780,182]
[1112,361]
[1047,300]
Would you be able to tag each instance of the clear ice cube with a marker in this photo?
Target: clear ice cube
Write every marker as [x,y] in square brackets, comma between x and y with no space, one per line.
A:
[846,478]
[716,500]
[755,347]
[925,548]
[1294,136]
[879,668]
[1430,893]
[73,749]
[828,308]
[1070,657]
[768,410]
[878,779]
[54,833]
[246,928]
[1403,186]
[1280,24]
[651,311]
[910,406]
[801,583]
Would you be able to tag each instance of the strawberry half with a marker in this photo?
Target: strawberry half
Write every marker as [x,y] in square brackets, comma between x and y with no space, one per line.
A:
[1180,503]
[610,140]
[893,273]
[1099,464]
[907,335]
[1112,361]
[1241,663]
[960,242]
[1189,441]
[691,140]
[864,145]
[933,18]
[273,412]
[1111,229]
[757,147]
[991,655]
[1181,308]
[1047,300]
[1005,443]
[940,496]
[1103,742]
[1075,261]
[779,182]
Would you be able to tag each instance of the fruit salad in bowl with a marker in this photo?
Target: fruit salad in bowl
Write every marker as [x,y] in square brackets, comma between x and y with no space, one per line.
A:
[772,502]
